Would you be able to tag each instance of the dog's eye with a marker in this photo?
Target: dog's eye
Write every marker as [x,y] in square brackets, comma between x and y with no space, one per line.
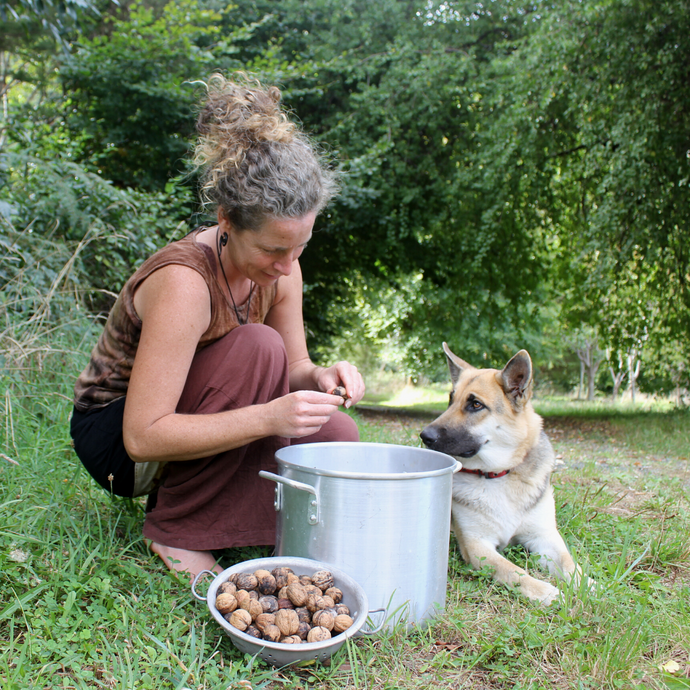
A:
[474,405]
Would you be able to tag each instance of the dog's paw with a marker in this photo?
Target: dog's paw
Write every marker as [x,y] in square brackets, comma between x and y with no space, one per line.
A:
[539,591]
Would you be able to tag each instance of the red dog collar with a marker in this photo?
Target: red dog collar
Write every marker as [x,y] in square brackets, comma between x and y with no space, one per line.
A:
[487,475]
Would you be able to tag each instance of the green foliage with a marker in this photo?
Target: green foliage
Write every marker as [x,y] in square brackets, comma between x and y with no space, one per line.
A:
[403,98]
[611,78]
[63,226]
[131,92]
[31,22]
[511,171]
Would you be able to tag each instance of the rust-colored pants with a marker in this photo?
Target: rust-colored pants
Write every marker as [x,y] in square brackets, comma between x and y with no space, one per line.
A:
[220,501]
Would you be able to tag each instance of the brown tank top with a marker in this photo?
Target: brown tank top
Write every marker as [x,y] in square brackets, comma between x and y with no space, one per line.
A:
[106,377]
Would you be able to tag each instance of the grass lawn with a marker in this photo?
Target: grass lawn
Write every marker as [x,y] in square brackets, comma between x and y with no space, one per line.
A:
[84,605]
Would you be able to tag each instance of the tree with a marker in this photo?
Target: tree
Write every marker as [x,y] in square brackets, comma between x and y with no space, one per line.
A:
[402,92]
[613,83]
[131,92]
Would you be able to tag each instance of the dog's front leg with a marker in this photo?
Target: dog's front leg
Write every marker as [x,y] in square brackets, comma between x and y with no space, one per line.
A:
[554,555]
[479,554]
[539,534]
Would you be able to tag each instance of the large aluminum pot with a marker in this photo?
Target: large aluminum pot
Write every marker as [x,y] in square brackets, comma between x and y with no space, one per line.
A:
[379,512]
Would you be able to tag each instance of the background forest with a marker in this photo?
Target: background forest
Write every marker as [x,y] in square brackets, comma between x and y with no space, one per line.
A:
[515,174]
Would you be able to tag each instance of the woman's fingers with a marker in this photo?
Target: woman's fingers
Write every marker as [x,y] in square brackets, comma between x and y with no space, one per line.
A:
[345,375]
[304,412]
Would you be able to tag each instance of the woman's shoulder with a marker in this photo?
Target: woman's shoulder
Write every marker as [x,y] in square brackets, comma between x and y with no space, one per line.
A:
[184,252]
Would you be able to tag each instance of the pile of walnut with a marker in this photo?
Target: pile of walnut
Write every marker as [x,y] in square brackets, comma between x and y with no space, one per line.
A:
[280,606]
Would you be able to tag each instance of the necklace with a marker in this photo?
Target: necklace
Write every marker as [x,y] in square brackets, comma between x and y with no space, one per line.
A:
[221,241]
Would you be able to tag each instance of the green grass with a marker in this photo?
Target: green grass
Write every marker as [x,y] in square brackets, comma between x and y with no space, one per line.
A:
[84,605]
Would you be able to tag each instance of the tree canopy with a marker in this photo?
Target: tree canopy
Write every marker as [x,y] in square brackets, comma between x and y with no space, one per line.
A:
[512,172]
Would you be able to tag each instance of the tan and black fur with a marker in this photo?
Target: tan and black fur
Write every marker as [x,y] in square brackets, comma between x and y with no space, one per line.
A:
[492,428]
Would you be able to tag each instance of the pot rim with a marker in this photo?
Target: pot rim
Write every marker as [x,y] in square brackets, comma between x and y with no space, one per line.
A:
[453,464]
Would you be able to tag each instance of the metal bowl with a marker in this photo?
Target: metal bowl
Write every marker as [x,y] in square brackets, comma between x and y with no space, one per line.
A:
[276,653]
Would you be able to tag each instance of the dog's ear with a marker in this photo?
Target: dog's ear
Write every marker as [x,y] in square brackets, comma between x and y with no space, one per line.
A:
[455,364]
[516,378]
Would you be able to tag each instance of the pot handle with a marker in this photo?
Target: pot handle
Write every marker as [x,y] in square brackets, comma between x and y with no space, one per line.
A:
[458,467]
[196,579]
[378,628]
[313,516]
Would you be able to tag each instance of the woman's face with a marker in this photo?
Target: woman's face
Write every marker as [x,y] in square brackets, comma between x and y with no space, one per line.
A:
[266,254]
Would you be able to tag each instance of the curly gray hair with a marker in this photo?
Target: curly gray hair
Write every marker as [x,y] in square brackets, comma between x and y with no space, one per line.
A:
[255,162]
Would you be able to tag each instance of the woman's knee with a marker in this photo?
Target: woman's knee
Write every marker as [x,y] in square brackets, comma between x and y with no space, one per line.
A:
[247,366]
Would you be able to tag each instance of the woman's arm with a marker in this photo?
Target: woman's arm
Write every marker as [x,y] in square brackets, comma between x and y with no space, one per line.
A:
[174,306]
[286,317]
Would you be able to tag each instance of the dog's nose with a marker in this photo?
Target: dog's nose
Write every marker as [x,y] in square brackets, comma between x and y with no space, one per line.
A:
[429,435]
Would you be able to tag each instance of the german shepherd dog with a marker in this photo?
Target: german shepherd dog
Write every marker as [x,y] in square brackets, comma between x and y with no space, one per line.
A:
[503,494]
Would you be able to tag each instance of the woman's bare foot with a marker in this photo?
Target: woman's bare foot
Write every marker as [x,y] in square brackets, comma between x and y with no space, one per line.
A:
[184,560]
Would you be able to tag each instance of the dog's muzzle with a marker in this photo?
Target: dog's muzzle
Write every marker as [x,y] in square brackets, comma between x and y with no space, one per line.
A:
[455,442]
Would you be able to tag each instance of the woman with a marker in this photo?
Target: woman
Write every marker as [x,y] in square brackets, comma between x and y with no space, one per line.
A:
[202,371]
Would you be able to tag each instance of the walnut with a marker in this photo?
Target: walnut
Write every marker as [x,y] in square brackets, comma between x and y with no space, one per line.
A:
[287,621]
[318,634]
[341,623]
[242,596]
[253,608]
[264,619]
[335,594]
[266,582]
[269,603]
[303,630]
[246,581]
[303,614]
[315,602]
[226,603]
[227,588]
[280,575]
[272,633]
[253,631]
[280,606]
[324,619]
[292,639]
[296,594]
[323,579]
[240,619]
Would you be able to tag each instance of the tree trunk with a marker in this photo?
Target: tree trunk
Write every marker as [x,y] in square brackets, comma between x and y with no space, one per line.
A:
[618,377]
[590,359]
[591,378]
[633,371]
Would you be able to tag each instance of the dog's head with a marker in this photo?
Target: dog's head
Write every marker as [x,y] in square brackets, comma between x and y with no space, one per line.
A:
[490,422]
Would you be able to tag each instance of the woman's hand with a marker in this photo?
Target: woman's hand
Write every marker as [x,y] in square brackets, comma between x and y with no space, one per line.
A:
[342,374]
[299,414]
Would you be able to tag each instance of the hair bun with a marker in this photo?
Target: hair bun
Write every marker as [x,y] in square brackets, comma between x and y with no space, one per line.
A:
[256,162]
[239,114]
